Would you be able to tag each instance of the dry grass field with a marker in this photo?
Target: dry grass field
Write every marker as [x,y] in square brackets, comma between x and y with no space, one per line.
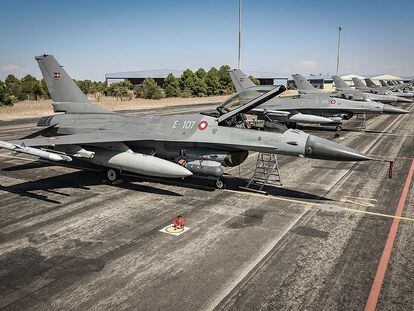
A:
[33,109]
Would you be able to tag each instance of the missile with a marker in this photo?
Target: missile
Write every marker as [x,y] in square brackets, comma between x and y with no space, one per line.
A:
[43,154]
[309,118]
[138,163]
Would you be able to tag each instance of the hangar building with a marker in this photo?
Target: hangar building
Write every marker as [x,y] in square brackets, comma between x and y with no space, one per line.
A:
[138,77]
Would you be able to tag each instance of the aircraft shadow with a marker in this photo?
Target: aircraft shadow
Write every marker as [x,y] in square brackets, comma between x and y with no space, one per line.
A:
[79,180]
[235,183]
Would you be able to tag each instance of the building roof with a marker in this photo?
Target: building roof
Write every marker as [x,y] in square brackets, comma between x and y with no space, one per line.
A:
[163,73]
[155,74]
[350,76]
[327,77]
[386,77]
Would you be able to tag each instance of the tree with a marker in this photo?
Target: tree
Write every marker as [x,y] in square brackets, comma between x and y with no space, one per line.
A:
[149,89]
[14,87]
[118,90]
[225,80]
[171,86]
[5,99]
[199,88]
[44,88]
[201,73]
[212,80]
[97,89]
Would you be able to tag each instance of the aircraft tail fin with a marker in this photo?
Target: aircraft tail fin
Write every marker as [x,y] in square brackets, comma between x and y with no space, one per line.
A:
[358,83]
[340,83]
[240,80]
[370,83]
[303,84]
[66,95]
[383,83]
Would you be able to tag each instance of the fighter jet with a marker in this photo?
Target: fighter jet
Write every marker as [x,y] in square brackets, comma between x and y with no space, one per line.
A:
[396,92]
[405,87]
[379,90]
[345,90]
[175,146]
[312,107]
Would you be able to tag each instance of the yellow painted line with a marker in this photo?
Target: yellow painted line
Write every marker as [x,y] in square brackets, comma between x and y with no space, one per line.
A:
[319,204]
[360,202]
[377,214]
[271,197]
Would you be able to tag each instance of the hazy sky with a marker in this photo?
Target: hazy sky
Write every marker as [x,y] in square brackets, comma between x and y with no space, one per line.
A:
[94,37]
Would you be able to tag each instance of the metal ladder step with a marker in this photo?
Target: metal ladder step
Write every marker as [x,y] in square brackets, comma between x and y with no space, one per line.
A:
[266,172]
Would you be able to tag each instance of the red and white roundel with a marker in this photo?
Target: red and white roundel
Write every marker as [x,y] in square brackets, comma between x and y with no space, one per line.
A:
[202,125]
[333,101]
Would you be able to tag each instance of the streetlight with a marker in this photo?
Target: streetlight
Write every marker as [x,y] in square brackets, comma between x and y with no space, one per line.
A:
[339,45]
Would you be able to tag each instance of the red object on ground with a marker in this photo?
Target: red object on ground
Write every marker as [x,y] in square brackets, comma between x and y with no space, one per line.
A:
[179,222]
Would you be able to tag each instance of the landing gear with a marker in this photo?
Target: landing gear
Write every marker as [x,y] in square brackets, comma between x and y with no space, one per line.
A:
[338,129]
[112,175]
[220,184]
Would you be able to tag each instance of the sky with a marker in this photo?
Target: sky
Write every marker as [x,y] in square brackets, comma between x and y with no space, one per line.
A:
[91,38]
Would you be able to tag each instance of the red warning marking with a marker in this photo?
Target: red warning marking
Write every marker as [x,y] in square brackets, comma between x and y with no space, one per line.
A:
[56,75]
[333,101]
[202,125]
[386,254]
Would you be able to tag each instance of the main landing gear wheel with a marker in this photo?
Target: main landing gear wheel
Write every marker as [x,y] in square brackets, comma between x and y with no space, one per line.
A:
[220,184]
[338,128]
[112,175]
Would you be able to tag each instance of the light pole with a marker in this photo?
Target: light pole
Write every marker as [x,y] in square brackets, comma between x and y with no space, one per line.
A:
[339,45]
[240,14]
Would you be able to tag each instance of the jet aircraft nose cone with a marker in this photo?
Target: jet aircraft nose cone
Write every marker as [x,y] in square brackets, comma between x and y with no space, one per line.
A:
[403,99]
[321,148]
[393,110]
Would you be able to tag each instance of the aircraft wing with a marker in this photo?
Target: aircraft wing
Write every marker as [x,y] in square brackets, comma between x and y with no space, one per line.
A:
[103,136]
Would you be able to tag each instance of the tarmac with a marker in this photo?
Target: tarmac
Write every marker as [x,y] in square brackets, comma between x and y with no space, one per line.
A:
[319,242]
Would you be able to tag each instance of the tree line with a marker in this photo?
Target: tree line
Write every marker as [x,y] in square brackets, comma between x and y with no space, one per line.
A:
[197,84]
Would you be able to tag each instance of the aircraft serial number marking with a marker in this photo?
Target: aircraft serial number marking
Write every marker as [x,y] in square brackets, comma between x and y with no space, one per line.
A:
[186,125]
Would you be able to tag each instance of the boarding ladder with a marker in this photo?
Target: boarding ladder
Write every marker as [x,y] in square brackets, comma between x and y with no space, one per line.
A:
[266,172]
[360,121]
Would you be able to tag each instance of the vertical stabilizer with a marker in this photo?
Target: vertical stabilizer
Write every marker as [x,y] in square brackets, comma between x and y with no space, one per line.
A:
[358,83]
[304,85]
[370,83]
[66,95]
[340,83]
[240,80]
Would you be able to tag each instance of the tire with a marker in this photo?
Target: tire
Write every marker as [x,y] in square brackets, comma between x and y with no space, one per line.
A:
[219,184]
[112,175]
[338,128]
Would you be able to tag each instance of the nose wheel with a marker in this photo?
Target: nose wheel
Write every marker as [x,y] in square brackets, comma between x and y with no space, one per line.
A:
[112,175]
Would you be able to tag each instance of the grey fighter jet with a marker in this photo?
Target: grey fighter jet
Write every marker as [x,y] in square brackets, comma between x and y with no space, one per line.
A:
[378,90]
[386,90]
[347,91]
[312,107]
[88,136]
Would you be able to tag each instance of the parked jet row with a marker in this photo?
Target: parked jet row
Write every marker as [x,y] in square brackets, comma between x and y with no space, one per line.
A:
[88,136]
[311,106]
[373,88]
[346,90]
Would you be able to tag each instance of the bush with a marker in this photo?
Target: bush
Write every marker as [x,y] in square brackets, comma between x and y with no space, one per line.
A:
[172,86]
[149,89]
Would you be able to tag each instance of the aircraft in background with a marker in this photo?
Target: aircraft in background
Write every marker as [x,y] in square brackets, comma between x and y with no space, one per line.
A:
[174,146]
[312,107]
[379,90]
[347,91]
[397,91]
